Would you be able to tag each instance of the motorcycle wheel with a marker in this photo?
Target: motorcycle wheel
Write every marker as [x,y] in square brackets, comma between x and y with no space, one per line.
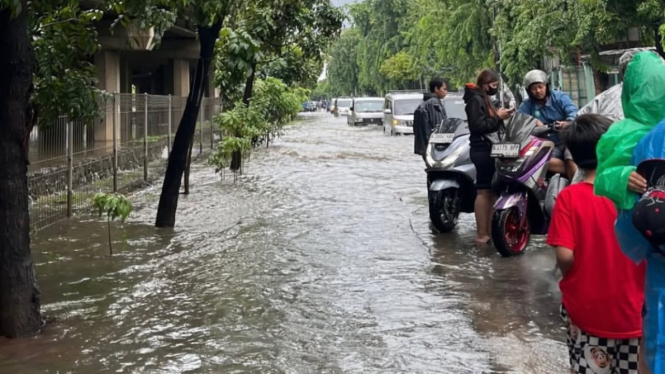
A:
[444,210]
[510,239]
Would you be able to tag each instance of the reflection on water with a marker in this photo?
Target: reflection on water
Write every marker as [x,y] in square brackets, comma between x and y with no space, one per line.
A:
[319,260]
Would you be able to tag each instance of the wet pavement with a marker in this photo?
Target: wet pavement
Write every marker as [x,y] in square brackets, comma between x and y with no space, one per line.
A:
[320,259]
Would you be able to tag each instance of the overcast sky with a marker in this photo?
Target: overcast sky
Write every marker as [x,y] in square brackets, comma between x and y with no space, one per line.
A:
[342,2]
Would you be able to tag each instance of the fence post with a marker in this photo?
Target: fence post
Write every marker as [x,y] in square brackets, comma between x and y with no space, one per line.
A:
[201,129]
[70,166]
[168,145]
[116,119]
[212,127]
[145,141]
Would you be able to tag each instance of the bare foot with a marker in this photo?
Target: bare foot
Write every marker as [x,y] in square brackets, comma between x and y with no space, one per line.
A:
[483,240]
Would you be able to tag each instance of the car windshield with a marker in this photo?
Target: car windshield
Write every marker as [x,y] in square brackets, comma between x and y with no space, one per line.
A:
[344,103]
[406,107]
[455,108]
[368,106]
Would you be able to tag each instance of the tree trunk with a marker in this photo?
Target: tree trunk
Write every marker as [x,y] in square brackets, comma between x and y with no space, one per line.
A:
[108,224]
[188,168]
[249,86]
[659,40]
[19,294]
[236,156]
[168,201]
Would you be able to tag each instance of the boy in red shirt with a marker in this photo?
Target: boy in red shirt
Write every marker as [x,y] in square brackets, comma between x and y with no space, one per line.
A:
[602,290]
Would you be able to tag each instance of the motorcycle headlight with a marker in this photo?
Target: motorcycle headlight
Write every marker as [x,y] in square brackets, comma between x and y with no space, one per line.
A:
[512,167]
[447,161]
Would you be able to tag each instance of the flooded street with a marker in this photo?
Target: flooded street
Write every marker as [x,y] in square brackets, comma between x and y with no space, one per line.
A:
[320,259]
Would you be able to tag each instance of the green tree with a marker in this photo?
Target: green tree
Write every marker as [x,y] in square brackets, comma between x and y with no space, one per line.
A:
[400,70]
[274,104]
[343,66]
[114,206]
[268,31]
[63,37]
[19,294]
[209,16]
[422,28]
[46,72]
[379,24]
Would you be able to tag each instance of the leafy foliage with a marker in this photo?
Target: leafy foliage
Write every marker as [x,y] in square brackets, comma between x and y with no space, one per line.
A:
[237,52]
[395,43]
[399,68]
[113,205]
[278,38]
[343,66]
[64,36]
[273,106]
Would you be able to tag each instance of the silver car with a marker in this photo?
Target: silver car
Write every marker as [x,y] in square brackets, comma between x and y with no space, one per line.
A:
[343,106]
[366,111]
[398,111]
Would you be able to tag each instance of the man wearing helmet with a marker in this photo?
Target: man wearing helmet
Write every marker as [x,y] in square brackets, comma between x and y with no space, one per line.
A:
[552,108]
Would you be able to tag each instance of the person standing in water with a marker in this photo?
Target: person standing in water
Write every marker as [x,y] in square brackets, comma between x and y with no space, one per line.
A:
[485,121]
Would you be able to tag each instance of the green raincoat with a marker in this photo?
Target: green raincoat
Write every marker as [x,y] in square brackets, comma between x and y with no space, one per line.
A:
[643,100]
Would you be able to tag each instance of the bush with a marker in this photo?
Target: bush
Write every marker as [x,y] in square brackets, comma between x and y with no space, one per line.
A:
[273,105]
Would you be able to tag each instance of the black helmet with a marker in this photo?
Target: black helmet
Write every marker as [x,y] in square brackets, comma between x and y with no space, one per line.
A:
[649,213]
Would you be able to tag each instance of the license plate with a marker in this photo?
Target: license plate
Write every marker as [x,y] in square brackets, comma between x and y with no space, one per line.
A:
[442,138]
[505,150]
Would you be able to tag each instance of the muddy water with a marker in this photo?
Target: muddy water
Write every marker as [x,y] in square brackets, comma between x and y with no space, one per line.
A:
[320,259]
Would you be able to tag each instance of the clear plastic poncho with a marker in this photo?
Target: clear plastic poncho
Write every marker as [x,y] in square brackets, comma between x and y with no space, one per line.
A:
[608,103]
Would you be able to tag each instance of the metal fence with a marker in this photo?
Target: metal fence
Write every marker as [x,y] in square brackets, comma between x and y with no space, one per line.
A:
[577,81]
[125,148]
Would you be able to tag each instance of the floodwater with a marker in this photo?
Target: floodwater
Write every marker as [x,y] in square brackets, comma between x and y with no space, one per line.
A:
[319,259]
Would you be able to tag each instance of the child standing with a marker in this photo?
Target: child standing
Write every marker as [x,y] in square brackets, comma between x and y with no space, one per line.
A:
[602,290]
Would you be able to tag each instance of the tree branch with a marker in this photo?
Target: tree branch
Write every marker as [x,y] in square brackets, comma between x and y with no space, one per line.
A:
[59,22]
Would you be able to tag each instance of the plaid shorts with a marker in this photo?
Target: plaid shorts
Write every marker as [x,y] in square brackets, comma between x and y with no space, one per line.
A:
[593,355]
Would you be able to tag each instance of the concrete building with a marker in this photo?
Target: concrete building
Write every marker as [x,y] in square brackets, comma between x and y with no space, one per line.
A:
[130,61]
[576,76]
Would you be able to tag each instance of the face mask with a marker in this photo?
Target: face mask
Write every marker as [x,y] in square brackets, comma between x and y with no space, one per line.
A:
[492,91]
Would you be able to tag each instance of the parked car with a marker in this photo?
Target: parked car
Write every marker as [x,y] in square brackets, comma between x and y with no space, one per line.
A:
[366,111]
[398,108]
[343,106]
[454,106]
[308,106]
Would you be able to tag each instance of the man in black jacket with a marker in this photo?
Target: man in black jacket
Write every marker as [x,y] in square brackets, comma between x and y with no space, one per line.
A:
[429,114]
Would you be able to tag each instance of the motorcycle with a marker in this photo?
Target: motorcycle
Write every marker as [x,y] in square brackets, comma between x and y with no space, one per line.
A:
[450,174]
[526,190]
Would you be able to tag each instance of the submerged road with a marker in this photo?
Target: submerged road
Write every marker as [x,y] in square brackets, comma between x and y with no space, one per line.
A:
[319,259]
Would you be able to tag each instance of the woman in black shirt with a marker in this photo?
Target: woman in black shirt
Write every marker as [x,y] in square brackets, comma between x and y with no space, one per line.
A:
[484,123]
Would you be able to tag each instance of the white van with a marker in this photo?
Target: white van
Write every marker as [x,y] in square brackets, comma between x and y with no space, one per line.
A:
[366,111]
[398,109]
[343,106]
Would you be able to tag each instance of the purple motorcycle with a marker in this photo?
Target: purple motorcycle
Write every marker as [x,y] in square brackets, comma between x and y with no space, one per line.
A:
[521,179]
